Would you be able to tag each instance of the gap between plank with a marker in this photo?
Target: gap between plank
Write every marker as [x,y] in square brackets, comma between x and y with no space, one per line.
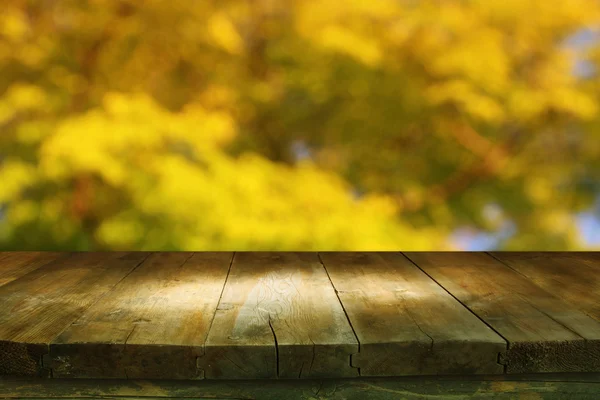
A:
[135,325]
[89,306]
[533,305]
[505,366]
[344,309]
[220,296]
[164,283]
[215,313]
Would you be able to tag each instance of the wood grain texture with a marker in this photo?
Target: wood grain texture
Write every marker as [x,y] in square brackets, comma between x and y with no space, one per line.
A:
[279,317]
[7,254]
[509,387]
[153,324]
[41,304]
[406,323]
[114,315]
[573,277]
[13,265]
[545,334]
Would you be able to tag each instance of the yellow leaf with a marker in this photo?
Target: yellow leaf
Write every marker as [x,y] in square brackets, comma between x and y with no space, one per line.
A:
[13,24]
[225,34]
[358,46]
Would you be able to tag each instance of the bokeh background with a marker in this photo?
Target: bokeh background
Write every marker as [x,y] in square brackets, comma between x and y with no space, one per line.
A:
[299,124]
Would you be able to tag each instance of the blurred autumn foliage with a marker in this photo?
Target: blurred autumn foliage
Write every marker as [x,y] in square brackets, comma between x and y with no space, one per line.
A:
[300,124]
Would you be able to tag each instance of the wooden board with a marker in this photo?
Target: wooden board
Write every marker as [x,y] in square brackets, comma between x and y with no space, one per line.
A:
[406,323]
[41,304]
[545,334]
[7,254]
[279,317]
[573,277]
[13,265]
[562,387]
[153,324]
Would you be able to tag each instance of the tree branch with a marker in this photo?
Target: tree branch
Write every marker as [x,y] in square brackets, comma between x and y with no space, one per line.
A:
[493,157]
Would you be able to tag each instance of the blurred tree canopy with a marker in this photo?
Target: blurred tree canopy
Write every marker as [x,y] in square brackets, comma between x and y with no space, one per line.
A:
[301,124]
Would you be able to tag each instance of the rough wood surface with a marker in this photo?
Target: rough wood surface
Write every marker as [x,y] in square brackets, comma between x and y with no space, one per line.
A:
[573,277]
[406,323]
[279,317]
[153,324]
[545,334]
[15,264]
[561,387]
[41,304]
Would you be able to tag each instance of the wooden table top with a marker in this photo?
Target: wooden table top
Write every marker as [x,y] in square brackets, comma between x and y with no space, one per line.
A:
[254,315]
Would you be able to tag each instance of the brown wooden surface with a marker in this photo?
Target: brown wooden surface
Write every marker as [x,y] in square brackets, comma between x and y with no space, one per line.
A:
[151,325]
[508,387]
[41,304]
[15,264]
[277,315]
[573,277]
[545,334]
[405,322]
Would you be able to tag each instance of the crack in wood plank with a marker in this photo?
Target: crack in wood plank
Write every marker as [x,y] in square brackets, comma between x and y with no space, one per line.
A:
[502,355]
[350,357]
[282,304]
[276,345]
[543,333]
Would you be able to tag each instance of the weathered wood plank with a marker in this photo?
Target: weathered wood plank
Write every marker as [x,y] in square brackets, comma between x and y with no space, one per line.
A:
[153,324]
[38,306]
[406,323]
[573,277]
[13,265]
[545,334]
[6,254]
[408,388]
[279,317]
